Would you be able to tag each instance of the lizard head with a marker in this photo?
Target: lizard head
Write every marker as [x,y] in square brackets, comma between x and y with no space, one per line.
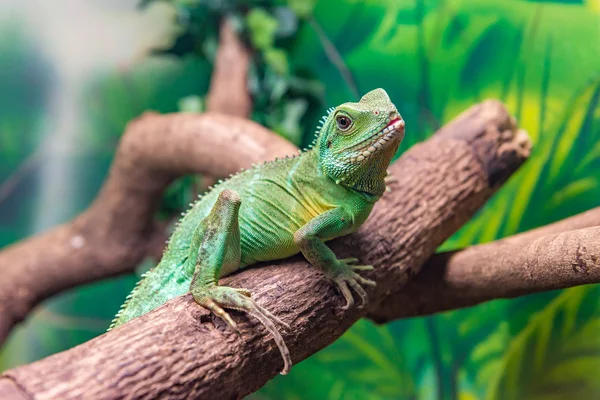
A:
[358,141]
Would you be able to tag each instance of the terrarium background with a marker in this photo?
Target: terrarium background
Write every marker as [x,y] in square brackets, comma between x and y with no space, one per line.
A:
[435,58]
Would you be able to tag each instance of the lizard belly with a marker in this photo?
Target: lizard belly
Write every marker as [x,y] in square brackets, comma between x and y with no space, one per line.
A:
[269,217]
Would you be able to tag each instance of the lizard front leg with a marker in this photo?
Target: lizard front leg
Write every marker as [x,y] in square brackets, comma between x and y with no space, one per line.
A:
[218,248]
[310,238]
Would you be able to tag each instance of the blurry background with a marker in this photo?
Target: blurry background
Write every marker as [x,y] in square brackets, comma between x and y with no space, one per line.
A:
[74,72]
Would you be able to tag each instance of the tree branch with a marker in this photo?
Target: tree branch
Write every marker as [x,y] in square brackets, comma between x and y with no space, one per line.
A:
[118,230]
[228,91]
[110,237]
[180,351]
[228,94]
[556,256]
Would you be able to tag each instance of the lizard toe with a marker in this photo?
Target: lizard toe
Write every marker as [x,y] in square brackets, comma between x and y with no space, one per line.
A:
[215,298]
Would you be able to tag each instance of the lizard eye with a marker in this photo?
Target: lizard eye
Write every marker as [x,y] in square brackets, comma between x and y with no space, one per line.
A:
[343,123]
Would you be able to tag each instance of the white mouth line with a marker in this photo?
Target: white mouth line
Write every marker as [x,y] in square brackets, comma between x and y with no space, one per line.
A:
[383,130]
[389,132]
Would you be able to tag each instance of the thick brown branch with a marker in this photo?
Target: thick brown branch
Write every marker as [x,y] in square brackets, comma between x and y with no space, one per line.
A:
[181,351]
[556,256]
[229,84]
[118,230]
[110,238]
[228,94]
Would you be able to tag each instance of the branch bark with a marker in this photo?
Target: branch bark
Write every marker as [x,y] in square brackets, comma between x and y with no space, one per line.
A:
[111,236]
[118,230]
[180,351]
[228,94]
[556,256]
[228,91]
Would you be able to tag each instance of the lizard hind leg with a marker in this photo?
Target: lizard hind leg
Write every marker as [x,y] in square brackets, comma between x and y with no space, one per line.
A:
[216,298]
[219,248]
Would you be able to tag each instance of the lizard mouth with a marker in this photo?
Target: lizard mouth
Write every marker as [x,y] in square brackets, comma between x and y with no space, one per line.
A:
[389,135]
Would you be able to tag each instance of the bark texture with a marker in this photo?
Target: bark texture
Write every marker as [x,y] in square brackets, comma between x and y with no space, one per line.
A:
[228,86]
[557,256]
[118,230]
[181,351]
[111,237]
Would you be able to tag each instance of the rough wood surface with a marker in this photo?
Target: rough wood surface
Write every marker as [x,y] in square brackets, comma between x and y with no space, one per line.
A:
[228,85]
[111,236]
[556,256]
[179,351]
[10,390]
[118,230]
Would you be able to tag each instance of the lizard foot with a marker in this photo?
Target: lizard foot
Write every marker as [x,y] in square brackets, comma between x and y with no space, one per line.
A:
[216,298]
[345,277]
[389,179]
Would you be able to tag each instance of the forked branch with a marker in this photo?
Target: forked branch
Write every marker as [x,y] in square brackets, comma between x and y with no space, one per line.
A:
[556,256]
[181,351]
[118,230]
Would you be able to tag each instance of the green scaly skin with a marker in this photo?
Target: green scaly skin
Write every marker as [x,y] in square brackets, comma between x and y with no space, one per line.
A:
[279,209]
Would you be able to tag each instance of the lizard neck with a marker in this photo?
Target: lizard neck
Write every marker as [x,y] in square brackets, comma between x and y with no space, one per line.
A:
[310,165]
[366,179]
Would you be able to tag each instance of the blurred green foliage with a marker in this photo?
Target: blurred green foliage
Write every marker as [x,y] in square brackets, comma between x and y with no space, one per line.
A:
[24,86]
[25,83]
[157,85]
[553,356]
[435,59]
[111,101]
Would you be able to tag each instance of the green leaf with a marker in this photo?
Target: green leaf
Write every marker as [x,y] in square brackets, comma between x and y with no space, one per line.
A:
[262,27]
[302,8]
[277,59]
[555,353]
[191,104]
[573,191]
[366,362]
[287,122]
[571,127]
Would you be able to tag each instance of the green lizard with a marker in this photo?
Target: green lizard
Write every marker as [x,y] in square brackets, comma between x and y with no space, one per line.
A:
[278,209]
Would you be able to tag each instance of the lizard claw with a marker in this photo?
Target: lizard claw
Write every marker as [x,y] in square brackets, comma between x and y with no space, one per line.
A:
[347,279]
[389,179]
[216,298]
[244,292]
